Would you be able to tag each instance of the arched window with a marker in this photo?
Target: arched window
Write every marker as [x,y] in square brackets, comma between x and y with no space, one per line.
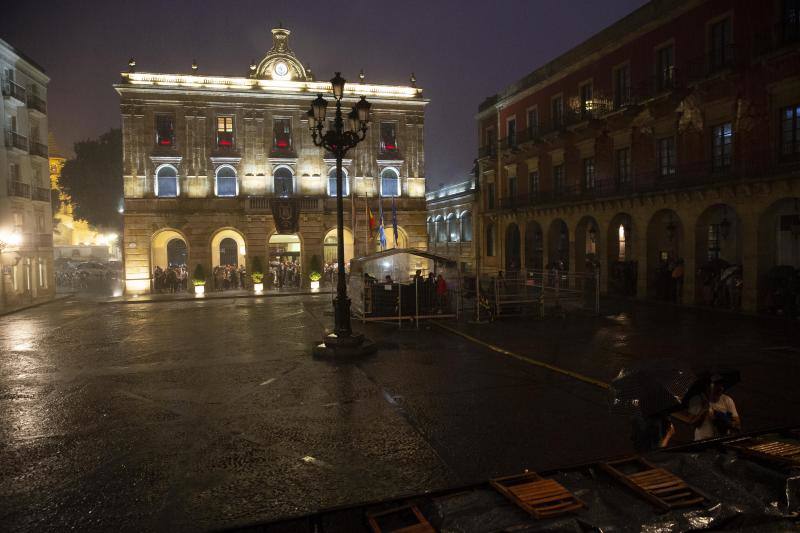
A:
[490,240]
[228,252]
[466,226]
[227,184]
[332,183]
[167,182]
[453,233]
[622,241]
[176,253]
[431,230]
[284,182]
[390,182]
[441,229]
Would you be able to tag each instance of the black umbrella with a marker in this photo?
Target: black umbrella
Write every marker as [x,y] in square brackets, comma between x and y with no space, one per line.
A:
[727,377]
[651,387]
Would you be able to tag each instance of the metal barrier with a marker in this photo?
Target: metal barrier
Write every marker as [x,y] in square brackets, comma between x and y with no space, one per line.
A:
[537,293]
[405,301]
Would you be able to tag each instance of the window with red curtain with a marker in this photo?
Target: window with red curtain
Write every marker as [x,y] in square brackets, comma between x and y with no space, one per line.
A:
[225,132]
[165,130]
[282,128]
[388,137]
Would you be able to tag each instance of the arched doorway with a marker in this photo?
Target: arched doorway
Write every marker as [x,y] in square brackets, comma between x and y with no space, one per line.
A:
[779,258]
[587,241]
[622,264]
[558,245]
[534,247]
[718,251]
[402,238]
[228,252]
[512,248]
[285,269]
[665,264]
[330,249]
[228,248]
[177,253]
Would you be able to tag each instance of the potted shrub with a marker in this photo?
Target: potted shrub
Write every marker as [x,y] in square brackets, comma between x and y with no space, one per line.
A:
[257,275]
[199,279]
[315,276]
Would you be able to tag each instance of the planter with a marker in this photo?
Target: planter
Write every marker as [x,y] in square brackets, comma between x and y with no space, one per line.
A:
[315,285]
[199,289]
[258,287]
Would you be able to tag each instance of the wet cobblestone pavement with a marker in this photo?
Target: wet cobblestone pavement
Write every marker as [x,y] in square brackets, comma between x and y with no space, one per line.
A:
[210,414]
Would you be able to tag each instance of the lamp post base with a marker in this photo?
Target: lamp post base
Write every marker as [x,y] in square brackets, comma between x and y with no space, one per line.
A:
[352,346]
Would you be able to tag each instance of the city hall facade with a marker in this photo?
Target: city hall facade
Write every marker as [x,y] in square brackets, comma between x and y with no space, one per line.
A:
[219,170]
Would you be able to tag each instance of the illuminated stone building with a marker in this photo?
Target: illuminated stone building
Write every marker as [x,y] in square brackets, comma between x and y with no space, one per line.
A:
[451,210]
[671,136]
[26,234]
[209,162]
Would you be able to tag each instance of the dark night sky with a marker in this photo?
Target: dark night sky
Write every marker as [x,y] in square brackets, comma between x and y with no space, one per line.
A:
[460,51]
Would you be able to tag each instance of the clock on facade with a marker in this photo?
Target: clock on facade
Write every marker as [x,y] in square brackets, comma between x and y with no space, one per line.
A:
[281,69]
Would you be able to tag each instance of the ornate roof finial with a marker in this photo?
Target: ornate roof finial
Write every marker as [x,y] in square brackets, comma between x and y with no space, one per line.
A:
[413,80]
[309,74]
[194,65]
[252,65]
[131,65]
[361,75]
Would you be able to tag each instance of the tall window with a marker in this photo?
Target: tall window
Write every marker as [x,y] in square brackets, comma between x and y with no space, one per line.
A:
[167,182]
[622,239]
[533,122]
[666,157]
[790,21]
[284,182]
[721,51]
[490,195]
[227,184]
[586,100]
[225,132]
[13,169]
[790,131]
[512,187]
[453,231]
[42,268]
[165,130]
[721,146]
[431,230]
[622,86]
[533,182]
[466,226]
[390,182]
[623,166]
[559,181]
[665,67]
[588,174]
[282,135]
[557,111]
[713,242]
[441,229]
[511,132]
[332,183]
[490,240]
[388,137]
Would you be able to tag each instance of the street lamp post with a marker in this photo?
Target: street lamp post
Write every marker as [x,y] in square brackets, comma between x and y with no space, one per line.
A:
[338,141]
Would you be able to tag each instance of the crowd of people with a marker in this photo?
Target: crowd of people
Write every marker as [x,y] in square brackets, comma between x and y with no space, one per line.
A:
[283,274]
[228,277]
[174,278]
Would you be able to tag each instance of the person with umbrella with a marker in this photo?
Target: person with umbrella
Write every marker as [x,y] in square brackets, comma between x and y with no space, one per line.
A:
[713,413]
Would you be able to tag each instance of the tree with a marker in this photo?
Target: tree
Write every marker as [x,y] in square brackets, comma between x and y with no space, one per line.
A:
[93,179]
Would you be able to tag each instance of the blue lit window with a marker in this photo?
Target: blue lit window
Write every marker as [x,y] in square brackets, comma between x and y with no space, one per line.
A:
[332,183]
[390,182]
[167,182]
[227,184]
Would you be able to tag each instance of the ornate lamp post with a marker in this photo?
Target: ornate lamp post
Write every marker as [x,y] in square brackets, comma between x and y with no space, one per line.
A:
[338,141]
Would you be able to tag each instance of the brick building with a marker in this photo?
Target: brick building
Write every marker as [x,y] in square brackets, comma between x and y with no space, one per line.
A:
[668,141]
[210,161]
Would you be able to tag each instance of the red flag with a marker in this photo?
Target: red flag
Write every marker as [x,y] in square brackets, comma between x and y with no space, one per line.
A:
[371,220]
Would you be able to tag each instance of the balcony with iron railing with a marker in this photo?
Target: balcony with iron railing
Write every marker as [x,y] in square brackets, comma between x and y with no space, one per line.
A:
[17,141]
[41,194]
[782,36]
[19,189]
[37,104]
[14,90]
[38,149]
[490,150]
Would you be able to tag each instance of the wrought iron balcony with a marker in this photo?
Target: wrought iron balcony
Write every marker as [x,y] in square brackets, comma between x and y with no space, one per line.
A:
[19,189]
[487,151]
[37,104]
[41,194]
[15,140]
[39,149]
[14,90]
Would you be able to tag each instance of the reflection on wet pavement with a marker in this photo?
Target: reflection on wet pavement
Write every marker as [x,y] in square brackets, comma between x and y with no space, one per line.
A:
[207,414]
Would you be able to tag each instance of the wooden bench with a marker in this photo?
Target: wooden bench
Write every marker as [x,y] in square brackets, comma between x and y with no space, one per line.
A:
[780,451]
[405,519]
[542,498]
[659,486]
